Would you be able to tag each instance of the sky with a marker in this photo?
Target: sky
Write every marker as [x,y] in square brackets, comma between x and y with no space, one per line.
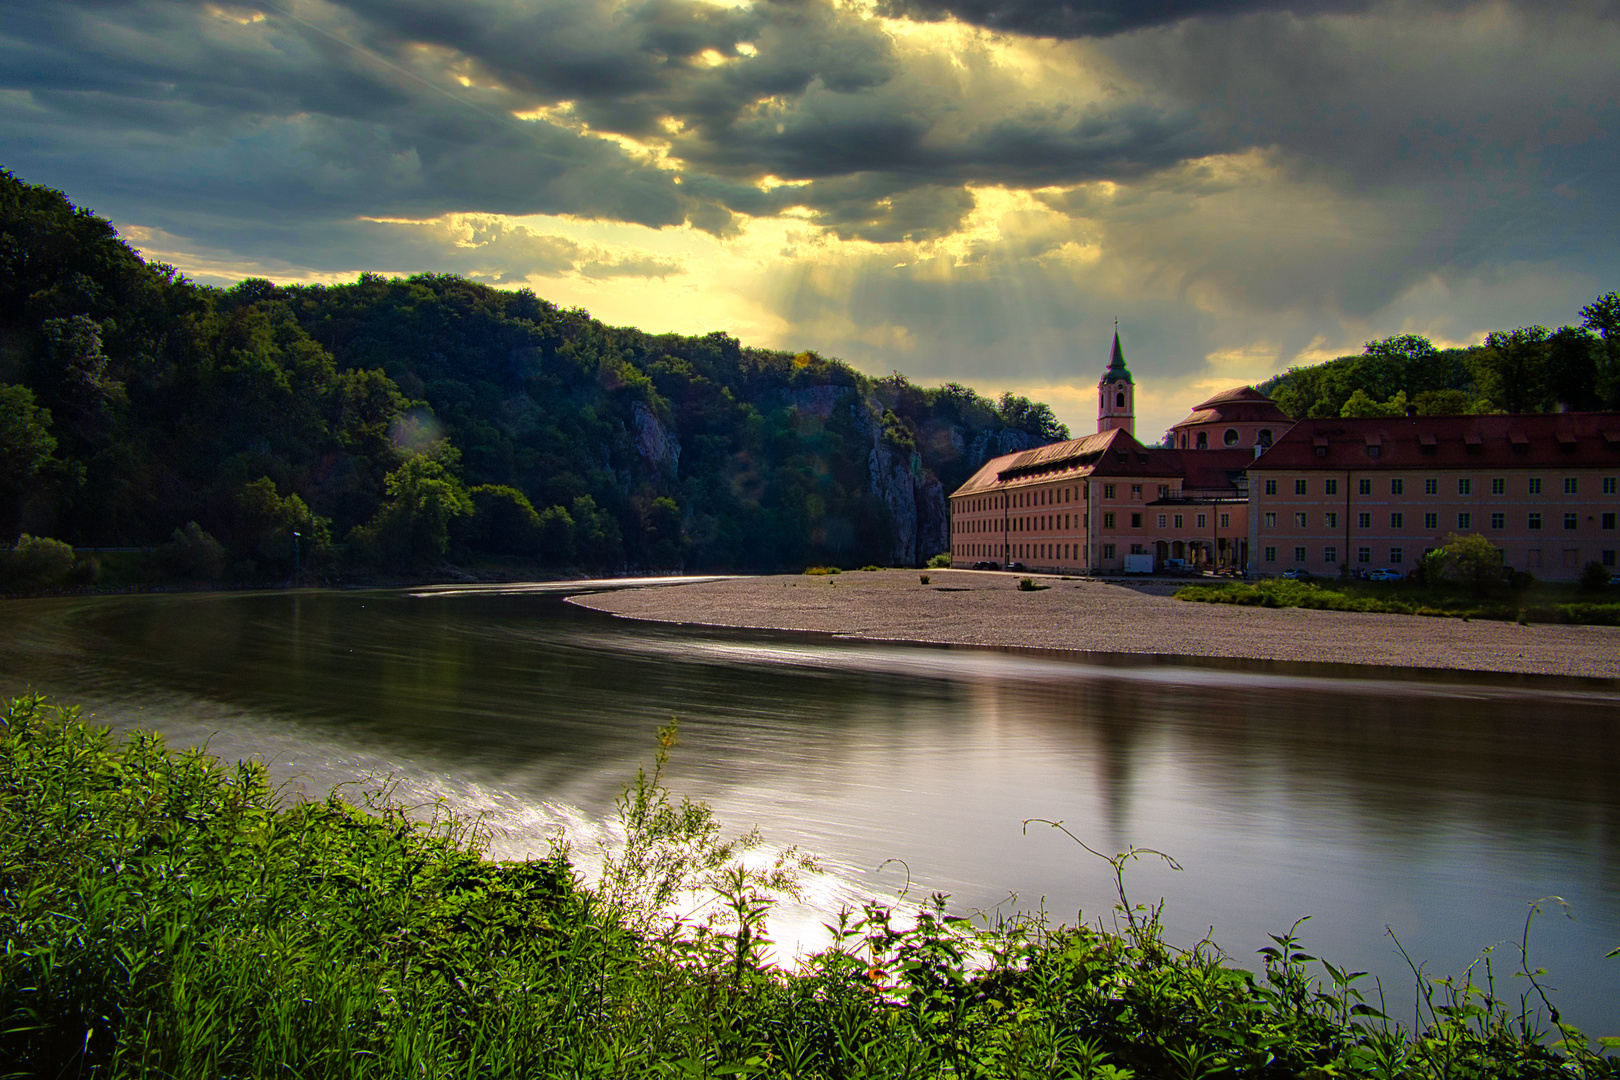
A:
[959,190]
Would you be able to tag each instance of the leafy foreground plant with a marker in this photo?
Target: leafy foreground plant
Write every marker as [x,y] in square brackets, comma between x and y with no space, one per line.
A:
[167,917]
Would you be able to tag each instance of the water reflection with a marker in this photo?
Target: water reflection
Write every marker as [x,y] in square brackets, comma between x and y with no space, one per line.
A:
[1436,805]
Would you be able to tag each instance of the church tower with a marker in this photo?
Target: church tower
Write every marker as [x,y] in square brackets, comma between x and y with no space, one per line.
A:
[1116,393]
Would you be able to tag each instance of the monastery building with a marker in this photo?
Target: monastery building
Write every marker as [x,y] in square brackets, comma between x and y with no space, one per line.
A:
[1241,487]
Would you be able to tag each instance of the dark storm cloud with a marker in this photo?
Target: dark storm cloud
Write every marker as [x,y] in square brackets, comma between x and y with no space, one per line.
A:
[1098,18]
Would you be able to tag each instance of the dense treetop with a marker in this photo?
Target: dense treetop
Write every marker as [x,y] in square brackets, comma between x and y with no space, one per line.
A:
[394,423]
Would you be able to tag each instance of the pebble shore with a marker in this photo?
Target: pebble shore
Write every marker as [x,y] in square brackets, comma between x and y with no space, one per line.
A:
[965,607]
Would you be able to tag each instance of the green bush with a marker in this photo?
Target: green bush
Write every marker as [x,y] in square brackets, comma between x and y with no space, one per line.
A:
[1594,577]
[821,571]
[35,563]
[942,561]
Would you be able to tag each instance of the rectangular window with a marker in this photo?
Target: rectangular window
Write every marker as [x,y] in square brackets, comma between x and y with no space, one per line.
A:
[1608,521]
[1226,521]
[1299,554]
[1271,554]
[1498,521]
[1397,487]
[1431,487]
[1330,487]
[1572,521]
[1608,557]
[1465,487]
[1397,521]
[1300,487]
[1178,521]
[1300,520]
[1532,558]
[1203,521]
[1431,521]
[1164,491]
[1108,521]
[1396,555]
[1331,520]
[1271,487]
[1363,555]
[1108,491]
[1271,520]
[1499,486]
[1163,521]
[1330,555]
[1572,485]
[1136,491]
[1535,485]
[1608,485]
[1138,549]
[1535,521]
[1108,551]
[1364,487]
[1136,521]
[1465,521]
[1364,521]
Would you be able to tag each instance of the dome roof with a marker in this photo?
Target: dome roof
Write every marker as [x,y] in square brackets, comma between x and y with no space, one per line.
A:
[1241,404]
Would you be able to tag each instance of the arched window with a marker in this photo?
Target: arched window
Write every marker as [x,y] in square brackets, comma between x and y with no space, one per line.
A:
[1265,436]
[1119,401]
[1203,440]
[1231,437]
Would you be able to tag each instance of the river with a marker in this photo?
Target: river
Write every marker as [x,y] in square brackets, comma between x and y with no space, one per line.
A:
[1427,808]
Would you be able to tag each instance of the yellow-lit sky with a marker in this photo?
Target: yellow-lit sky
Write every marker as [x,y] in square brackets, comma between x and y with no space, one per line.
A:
[960,190]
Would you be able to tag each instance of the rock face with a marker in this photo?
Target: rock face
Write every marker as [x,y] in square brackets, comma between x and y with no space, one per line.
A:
[656,444]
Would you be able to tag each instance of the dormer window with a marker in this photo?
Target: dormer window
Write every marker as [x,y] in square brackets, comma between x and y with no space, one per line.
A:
[1265,436]
[1203,440]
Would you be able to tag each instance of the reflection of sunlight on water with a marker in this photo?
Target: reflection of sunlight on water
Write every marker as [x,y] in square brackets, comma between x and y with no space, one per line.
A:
[515,829]
[971,664]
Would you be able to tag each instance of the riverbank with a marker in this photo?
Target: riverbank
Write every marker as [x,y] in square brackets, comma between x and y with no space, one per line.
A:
[167,916]
[967,607]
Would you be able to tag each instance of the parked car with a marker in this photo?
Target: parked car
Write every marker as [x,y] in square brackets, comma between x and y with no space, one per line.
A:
[1175,564]
[985,564]
[1017,566]
[1297,575]
[1385,574]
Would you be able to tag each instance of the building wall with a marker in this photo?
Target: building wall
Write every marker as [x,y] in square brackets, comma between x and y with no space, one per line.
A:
[1548,521]
[1091,524]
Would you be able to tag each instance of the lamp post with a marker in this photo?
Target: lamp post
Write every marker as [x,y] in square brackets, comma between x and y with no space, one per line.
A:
[295,558]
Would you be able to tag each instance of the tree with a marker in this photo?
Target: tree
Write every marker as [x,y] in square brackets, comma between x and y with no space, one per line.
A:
[1032,417]
[1360,404]
[1602,316]
[1516,363]
[1468,560]
[413,526]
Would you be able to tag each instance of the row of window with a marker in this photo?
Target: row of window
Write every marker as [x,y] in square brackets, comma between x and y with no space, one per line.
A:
[1200,521]
[1465,486]
[1397,555]
[1397,520]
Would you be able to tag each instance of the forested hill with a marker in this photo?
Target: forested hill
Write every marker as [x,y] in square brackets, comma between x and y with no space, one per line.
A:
[1531,369]
[398,424]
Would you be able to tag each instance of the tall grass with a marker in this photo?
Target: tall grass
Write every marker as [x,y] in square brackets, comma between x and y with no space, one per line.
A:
[1402,599]
[165,916]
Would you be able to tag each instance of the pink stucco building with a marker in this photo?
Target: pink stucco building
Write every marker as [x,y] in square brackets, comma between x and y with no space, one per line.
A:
[1241,487]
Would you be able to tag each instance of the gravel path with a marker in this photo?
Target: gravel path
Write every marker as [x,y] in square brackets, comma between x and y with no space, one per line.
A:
[983,608]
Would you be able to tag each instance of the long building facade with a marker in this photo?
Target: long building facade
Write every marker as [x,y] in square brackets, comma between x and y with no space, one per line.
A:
[1345,495]
[1242,488]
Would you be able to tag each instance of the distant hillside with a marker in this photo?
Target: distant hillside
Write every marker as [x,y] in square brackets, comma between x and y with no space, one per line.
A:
[1531,369]
[397,424]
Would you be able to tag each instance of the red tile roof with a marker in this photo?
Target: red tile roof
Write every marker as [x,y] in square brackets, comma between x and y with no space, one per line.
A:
[1521,440]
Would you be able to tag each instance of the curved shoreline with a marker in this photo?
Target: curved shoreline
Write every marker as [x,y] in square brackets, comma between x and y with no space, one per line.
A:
[964,607]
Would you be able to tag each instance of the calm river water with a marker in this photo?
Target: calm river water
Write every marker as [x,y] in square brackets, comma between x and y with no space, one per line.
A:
[1438,807]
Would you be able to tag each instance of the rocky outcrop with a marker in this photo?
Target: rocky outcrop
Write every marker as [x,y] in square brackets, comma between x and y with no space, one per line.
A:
[656,444]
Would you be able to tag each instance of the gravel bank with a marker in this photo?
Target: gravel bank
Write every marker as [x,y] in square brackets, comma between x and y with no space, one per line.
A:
[967,607]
